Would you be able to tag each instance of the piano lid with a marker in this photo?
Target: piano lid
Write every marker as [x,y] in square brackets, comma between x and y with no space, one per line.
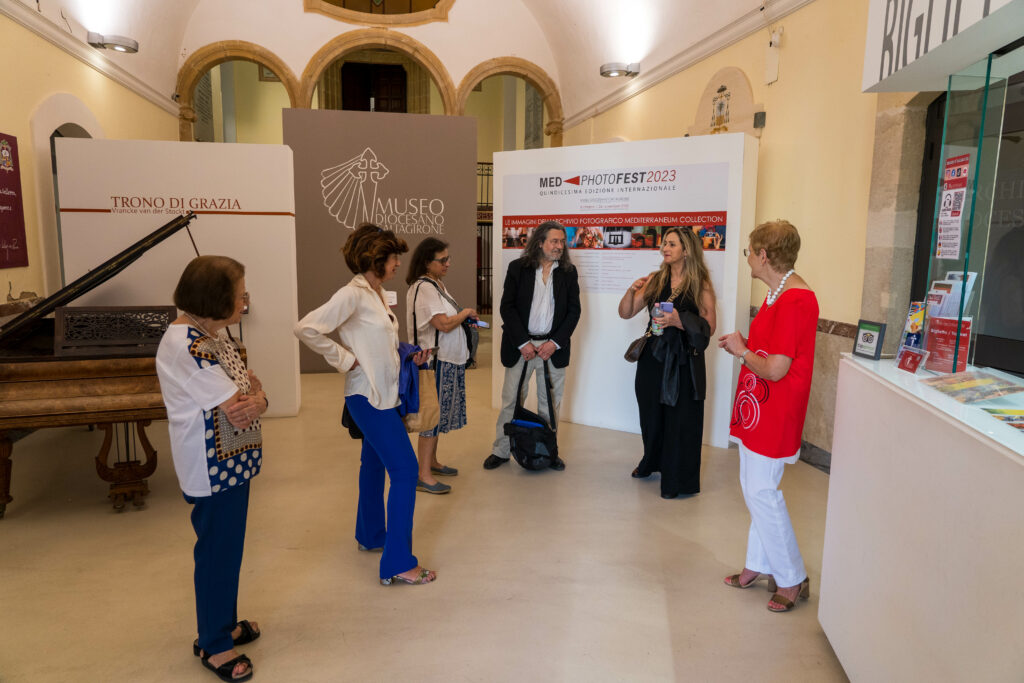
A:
[20,325]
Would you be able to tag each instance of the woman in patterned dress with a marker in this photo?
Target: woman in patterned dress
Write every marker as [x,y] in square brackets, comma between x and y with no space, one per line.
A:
[434,319]
[213,409]
[770,407]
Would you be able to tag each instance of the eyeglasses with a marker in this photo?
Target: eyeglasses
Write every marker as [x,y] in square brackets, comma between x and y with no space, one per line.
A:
[444,261]
[746,252]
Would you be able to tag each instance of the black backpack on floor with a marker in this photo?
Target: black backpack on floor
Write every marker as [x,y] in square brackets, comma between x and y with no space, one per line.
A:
[532,438]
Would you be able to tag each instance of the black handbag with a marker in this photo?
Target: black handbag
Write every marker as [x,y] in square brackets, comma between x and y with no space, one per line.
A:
[532,439]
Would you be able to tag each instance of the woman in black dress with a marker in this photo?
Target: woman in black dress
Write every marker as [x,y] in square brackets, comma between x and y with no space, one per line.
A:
[670,375]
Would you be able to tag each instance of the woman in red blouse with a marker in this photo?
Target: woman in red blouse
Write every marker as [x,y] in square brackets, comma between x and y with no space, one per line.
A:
[770,407]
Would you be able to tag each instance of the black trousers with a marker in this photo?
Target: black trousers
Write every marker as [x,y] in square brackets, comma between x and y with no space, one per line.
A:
[672,435]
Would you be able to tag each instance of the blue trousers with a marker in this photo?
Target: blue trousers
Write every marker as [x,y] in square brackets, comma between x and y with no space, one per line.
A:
[386,447]
[219,521]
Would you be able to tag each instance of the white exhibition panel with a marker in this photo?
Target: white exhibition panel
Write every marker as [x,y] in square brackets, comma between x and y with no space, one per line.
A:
[599,384]
[923,538]
[114,192]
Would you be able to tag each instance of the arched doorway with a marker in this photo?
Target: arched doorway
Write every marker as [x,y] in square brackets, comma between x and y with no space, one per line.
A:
[377,79]
[512,101]
[233,91]
[321,88]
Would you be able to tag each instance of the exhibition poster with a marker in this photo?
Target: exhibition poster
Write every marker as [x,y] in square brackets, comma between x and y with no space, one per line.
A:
[13,252]
[616,218]
[951,206]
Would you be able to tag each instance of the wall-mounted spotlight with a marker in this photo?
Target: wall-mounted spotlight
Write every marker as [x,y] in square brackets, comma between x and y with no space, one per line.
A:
[116,43]
[614,69]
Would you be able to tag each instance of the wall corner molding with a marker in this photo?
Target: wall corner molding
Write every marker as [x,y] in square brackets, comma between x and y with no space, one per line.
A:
[53,34]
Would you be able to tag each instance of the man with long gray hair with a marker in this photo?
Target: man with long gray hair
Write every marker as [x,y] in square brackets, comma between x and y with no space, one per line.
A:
[540,306]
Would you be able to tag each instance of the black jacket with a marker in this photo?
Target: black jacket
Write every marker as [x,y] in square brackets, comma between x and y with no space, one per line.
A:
[516,301]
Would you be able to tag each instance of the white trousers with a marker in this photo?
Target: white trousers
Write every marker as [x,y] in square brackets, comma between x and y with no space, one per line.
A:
[508,396]
[771,544]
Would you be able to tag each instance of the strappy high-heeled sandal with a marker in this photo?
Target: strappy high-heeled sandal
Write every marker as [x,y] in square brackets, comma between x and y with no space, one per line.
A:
[787,604]
[734,581]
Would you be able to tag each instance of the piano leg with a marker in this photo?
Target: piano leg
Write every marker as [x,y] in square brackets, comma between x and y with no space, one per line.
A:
[6,446]
[127,479]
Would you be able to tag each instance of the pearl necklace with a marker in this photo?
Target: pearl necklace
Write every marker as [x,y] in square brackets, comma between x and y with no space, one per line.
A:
[774,295]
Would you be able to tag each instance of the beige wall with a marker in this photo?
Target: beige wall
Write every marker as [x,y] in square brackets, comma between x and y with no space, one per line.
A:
[815,153]
[258,106]
[486,105]
[34,71]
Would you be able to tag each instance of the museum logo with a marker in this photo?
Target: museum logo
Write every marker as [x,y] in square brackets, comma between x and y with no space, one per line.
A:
[353,194]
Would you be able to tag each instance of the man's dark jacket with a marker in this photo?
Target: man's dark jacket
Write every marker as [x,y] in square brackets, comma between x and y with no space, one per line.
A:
[516,301]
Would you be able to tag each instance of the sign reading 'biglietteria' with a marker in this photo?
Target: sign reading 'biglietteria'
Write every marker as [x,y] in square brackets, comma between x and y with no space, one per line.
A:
[911,47]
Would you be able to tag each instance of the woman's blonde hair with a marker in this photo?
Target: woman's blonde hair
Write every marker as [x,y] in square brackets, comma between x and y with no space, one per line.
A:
[696,278]
[780,241]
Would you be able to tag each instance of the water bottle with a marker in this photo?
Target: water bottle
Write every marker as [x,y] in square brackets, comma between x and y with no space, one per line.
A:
[655,315]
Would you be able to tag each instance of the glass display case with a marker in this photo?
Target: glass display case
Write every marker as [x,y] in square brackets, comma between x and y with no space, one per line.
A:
[969,330]
[974,310]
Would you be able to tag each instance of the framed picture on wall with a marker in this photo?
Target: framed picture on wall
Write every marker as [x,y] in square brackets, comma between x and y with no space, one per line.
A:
[267,75]
[868,343]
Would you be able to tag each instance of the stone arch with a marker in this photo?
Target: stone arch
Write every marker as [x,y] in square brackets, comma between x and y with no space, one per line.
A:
[209,56]
[532,74]
[377,37]
[438,13]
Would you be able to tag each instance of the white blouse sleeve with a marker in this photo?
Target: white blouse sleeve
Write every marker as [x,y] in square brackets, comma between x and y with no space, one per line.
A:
[313,329]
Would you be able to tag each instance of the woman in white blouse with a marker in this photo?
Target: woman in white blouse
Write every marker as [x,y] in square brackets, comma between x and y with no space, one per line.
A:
[435,320]
[368,356]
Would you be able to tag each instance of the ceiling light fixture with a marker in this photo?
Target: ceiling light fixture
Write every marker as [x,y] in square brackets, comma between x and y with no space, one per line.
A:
[116,43]
[614,69]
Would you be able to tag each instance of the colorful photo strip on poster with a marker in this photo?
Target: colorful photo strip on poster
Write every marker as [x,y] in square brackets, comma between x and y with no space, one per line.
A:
[610,258]
[712,237]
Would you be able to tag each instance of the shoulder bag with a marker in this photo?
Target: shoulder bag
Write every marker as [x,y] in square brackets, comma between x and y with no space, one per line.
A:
[429,413]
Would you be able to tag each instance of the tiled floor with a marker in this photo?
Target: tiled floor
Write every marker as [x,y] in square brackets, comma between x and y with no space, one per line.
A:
[584,575]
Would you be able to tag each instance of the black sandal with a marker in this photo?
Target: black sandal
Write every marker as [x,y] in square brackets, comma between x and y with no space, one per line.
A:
[248,635]
[225,670]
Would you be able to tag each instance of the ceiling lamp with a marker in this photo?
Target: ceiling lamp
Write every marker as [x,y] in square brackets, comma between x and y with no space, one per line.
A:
[116,43]
[614,69]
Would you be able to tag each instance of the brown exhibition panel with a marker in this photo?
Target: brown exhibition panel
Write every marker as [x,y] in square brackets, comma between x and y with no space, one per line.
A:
[411,173]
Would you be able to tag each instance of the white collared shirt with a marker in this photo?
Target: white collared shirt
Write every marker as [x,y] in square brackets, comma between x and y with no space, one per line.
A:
[542,310]
[368,331]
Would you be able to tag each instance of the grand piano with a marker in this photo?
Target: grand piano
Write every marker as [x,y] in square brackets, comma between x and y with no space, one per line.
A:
[74,369]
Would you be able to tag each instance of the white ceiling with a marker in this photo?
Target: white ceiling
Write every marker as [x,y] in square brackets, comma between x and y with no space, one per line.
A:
[576,36]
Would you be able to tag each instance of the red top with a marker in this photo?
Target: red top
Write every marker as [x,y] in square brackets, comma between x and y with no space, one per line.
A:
[768,417]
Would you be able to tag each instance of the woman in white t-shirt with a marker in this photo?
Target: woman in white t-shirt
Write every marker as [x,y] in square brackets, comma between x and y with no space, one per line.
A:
[368,357]
[434,319]
[213,409]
